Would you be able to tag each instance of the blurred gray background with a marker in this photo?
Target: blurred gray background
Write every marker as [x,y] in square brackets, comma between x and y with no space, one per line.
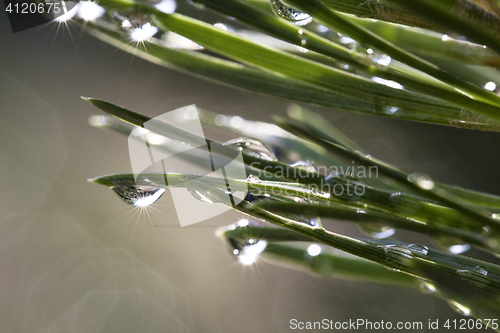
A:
[74,258]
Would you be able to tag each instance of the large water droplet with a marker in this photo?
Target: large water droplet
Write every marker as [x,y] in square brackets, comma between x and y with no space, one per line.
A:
[90,11]
[252,147]
[176,41]
[461,309]
[139,195]
[248,252]
[377,231]
[334,176]
[313,250]
[404,203]
[427,288]
[418,249]
[421,180]
[490,86]
[315,222]
[451,244]
[391,109]
[371,57]
[199,194]
[253,179]
[397,256]
[167,6]
[305,165]
[480,270]
[145,32]
[283,10]
[347,41]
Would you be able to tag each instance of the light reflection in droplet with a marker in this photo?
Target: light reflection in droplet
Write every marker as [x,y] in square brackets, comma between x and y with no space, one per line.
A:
[221,26]
[89,10]
[389,83]
[139,196]
[220,120]
[459,248]
[250,253]
[143,33]
[67,16]
[126,24]
[177,41]
[243,223]
[490,86]
[313,250]
[167,6]
[97,120]
[236,122]
[322,29]
[463,310]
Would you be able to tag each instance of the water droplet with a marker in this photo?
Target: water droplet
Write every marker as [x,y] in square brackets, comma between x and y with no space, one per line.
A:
[397,256]
[490,86]
[423,181]
[143,33]
[282,10]
[313,250]
[390,83]
[302,49]
[391,109]
[139,195]
[249,252]
[243,223]
[220,120]
[253,148]
[176,41]
[322,29]
[427,287]
[305,165]
[198,194]
[347,41]
[167,6]
[371,57]
[89,10]
[221,26]
[253,179]
[374,230]
[404,203]
[461,309]
[126,24]
[315,222]
[418,249]
[480,270]
[451,244]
